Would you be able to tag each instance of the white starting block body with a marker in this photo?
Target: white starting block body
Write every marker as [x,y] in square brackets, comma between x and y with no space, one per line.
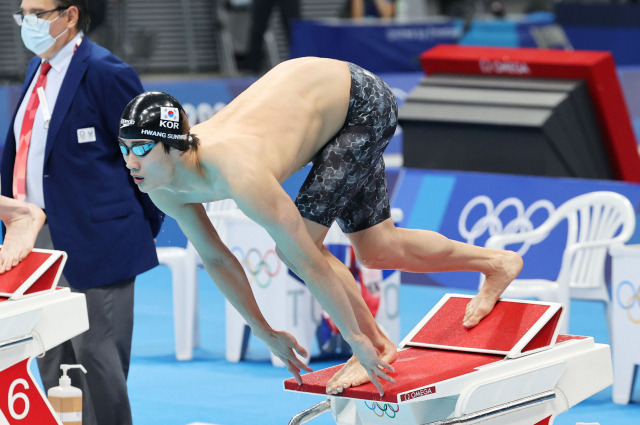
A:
[511,369]
[284,299]
[34,317]
[625,319]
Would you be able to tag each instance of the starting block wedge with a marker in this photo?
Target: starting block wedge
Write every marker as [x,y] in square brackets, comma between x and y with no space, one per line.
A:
[514,328]
[39,272]
[513,368]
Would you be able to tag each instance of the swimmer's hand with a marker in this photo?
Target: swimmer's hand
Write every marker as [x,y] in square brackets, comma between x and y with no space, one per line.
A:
[283,345]
[369,359]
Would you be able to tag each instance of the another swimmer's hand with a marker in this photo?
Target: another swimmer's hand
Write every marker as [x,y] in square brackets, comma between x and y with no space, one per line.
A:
[283,345]
[370,360]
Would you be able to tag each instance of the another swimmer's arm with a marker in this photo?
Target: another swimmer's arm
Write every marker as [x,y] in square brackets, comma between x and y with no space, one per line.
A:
[23,222]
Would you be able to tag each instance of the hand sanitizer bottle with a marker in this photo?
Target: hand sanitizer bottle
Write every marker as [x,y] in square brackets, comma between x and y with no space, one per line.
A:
[65,399]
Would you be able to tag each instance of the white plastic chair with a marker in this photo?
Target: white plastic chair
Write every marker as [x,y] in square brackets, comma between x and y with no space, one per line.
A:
[183,267]
[183,264]
[550,36]
[595,221]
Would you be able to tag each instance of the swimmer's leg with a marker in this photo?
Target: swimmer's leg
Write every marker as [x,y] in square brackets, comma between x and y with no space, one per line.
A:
[387,247]
[352,374]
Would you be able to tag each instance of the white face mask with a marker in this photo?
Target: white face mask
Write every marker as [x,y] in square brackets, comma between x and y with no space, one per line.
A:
[35,34]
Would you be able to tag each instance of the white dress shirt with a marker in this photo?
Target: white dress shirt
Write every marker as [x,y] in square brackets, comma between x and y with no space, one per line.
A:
[35,160]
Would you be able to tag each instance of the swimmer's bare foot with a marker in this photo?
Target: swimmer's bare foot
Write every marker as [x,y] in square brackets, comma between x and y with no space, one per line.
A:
[22,230]
[353,374]
[507,266]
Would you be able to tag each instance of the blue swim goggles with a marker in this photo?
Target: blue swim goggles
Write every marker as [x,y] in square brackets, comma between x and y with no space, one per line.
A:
[138,150]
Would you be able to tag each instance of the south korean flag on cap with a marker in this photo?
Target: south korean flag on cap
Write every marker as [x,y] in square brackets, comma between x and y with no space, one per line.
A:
[169,114]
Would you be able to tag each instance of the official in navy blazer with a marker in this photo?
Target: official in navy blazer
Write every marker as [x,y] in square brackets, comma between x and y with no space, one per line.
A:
[94,211]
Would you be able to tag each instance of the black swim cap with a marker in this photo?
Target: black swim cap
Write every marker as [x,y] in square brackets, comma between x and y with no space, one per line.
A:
[157,116]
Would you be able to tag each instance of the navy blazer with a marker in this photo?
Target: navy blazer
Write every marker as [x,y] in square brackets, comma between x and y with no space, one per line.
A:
[94,210]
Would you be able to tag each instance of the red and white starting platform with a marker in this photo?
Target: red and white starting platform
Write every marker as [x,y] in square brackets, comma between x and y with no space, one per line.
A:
[511,369]
[34,317]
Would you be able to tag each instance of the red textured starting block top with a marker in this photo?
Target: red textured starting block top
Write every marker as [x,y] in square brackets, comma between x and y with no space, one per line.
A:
[513,328]
[38,272]
[440,348]
[414,368]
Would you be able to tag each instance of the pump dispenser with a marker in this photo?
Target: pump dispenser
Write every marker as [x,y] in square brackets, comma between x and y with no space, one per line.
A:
[65,399]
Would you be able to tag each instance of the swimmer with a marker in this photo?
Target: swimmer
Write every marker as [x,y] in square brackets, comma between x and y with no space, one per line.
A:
[23,221]
[339,117]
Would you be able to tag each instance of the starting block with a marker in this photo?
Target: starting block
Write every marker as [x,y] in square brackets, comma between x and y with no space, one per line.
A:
[37,273]
[511,369]
[34,317]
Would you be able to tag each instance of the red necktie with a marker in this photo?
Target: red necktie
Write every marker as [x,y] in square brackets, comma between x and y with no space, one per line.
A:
[20,165]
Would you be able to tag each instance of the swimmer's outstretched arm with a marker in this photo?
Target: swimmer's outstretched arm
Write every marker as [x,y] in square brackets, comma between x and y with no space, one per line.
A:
[261,197]
[229,276]
[23,222]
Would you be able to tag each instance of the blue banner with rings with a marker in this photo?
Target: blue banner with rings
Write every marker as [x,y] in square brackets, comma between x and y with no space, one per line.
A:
[471,207]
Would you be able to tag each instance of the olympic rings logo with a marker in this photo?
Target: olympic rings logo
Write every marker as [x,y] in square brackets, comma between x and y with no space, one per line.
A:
[380,411]
[492,223]
[260,268]
[628,297]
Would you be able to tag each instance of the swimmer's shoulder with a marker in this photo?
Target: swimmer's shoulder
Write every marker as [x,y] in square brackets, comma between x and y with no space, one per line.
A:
[167,201]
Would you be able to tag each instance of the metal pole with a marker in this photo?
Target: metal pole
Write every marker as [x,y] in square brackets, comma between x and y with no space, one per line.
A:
[311,413]
[502,409]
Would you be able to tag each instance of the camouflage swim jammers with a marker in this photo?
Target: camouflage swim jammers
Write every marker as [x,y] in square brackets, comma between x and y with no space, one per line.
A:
[347,182]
